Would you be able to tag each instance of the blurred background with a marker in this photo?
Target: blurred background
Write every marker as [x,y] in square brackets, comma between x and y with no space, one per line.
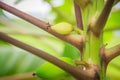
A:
[15,61]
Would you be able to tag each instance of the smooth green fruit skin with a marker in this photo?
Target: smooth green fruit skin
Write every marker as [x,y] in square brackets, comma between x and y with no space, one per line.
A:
[50,71]
[63,28]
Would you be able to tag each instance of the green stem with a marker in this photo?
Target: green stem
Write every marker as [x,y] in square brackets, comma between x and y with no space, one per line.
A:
[92,49]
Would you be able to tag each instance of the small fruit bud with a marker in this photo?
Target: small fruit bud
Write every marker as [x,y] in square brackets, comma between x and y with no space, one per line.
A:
[62,28]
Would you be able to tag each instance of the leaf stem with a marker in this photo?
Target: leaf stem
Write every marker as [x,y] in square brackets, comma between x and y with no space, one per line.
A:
[39,23]
[112,53]
[74,71]
[98,26]
[78,15]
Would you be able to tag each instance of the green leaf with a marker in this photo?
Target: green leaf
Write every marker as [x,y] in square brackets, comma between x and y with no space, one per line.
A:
[36,42]
[3,43]
[113,69]
[64,12]
[49,71]
[71,52]
[113,21]
[111,38]
[15,61]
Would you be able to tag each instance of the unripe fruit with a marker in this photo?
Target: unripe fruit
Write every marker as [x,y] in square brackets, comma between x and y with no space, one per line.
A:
[50,71]
[63,28]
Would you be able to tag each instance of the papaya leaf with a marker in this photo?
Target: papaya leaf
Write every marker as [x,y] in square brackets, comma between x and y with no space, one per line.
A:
[113,21]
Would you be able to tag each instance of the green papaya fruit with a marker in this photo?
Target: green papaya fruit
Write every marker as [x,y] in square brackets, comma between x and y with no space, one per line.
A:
[62,28]
[50,71]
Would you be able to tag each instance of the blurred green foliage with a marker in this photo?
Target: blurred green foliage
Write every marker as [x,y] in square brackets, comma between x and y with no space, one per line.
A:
[17,61]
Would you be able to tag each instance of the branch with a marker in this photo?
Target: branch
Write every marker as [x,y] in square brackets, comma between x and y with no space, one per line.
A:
[112,53]
[19,77]
[39,24]
[74,71]
[78,15]
[98,26]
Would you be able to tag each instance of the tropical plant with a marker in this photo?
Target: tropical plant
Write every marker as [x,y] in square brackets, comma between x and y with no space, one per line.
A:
[88,37]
